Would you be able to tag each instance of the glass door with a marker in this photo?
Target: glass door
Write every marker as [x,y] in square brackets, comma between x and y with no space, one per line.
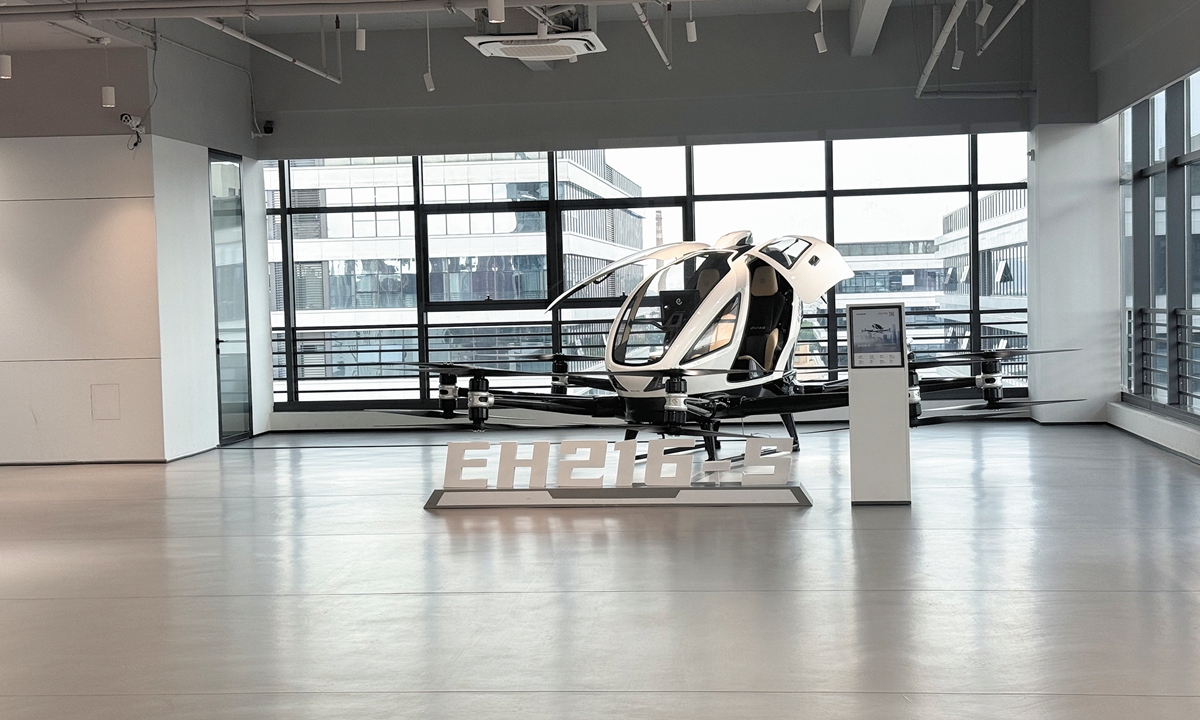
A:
[229,285]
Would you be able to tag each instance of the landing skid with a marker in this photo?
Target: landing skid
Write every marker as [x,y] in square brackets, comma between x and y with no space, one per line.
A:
[712,443]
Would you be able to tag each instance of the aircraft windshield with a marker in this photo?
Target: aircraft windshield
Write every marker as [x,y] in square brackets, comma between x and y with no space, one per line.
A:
[662,306]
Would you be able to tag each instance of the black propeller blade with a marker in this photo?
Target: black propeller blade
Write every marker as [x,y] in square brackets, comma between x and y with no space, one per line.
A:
[941,419]
[970,358]
[552,357]
[475,370]
[1014,405]
[481,371]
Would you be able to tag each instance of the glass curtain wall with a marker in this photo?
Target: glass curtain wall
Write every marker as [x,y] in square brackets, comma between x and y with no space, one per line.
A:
[377,262]
[1160,219]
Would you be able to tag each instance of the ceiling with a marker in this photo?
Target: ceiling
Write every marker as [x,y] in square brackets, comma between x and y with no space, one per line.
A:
[70,35]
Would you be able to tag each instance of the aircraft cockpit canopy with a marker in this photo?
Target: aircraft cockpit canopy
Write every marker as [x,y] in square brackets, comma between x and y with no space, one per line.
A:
[663,305]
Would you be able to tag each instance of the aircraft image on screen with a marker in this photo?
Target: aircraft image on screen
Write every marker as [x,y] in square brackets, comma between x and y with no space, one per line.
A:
[709,335]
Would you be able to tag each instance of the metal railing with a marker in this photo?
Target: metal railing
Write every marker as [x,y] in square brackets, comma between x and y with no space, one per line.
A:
[373,362]
[1154,350]
[1189,359]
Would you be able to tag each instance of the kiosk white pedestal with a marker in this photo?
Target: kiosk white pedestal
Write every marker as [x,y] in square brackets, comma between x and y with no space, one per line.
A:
[879,450]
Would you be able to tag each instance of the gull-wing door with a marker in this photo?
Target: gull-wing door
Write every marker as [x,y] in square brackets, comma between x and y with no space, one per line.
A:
[810,266]
[666,254]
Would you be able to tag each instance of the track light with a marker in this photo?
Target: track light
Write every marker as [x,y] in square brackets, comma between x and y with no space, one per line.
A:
[813,5]
[690,26]
[360,37]
[956,64]
[819,37]
[984,13]
[428,58]
[543,31]
[495,11]
[5,60]
[108,94]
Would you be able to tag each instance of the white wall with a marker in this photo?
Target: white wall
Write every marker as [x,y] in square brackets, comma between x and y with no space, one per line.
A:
[186,317]
[56,93]
[79,291]
[1139,48]
[1074,276]
[1175,436]
[199,100]
[258,299]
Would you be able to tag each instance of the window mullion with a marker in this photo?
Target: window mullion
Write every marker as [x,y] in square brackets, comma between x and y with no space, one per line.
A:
[831,325]
[976,318]
[292,382]
[1177,233]
[1142,229]
[421,252]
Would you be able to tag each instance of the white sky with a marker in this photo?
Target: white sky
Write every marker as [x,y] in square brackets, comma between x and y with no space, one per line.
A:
[775,167]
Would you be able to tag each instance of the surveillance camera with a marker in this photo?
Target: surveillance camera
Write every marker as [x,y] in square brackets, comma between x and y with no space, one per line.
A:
[132,121]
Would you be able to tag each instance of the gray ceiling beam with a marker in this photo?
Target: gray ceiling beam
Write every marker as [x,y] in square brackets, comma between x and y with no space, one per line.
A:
[866,22]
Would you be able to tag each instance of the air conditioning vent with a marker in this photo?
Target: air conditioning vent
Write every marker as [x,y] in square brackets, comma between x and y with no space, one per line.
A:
[560,46]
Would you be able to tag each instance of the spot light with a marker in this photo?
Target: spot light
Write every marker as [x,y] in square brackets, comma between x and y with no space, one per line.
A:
[5,60]
[984,13]
[813,5]
[360,36]
[958,54]
[690,25]
[495,11]
[819,37]
[108,93]
[428,58]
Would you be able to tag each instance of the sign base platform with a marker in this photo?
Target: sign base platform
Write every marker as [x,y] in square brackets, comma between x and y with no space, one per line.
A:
[681,496]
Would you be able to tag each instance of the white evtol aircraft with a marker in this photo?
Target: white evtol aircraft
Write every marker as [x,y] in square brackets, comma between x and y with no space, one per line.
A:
[709,334]
[730,312]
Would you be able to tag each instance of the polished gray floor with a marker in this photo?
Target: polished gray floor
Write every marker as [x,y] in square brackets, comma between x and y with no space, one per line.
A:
[1042,572]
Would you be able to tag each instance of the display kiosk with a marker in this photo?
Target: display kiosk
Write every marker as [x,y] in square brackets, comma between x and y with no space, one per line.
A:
[879,450]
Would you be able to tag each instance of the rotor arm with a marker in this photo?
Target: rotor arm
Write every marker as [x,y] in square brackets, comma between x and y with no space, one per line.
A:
[784,404]
[565,404]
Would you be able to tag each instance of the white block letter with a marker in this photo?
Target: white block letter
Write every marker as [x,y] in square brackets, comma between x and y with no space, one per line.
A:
[780,465]
[657,460]
[537,464]
[456,461]
[597,453]
[626,455]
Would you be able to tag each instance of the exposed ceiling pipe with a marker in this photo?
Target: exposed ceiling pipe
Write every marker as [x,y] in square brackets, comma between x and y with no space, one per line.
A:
[94,39]
[940,44]
[977,94]
[267,48]
[156,9]
[541,16]
[641,13]
[999,27]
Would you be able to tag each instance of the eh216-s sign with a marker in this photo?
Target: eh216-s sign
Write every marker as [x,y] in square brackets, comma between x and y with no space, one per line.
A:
[573,469]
